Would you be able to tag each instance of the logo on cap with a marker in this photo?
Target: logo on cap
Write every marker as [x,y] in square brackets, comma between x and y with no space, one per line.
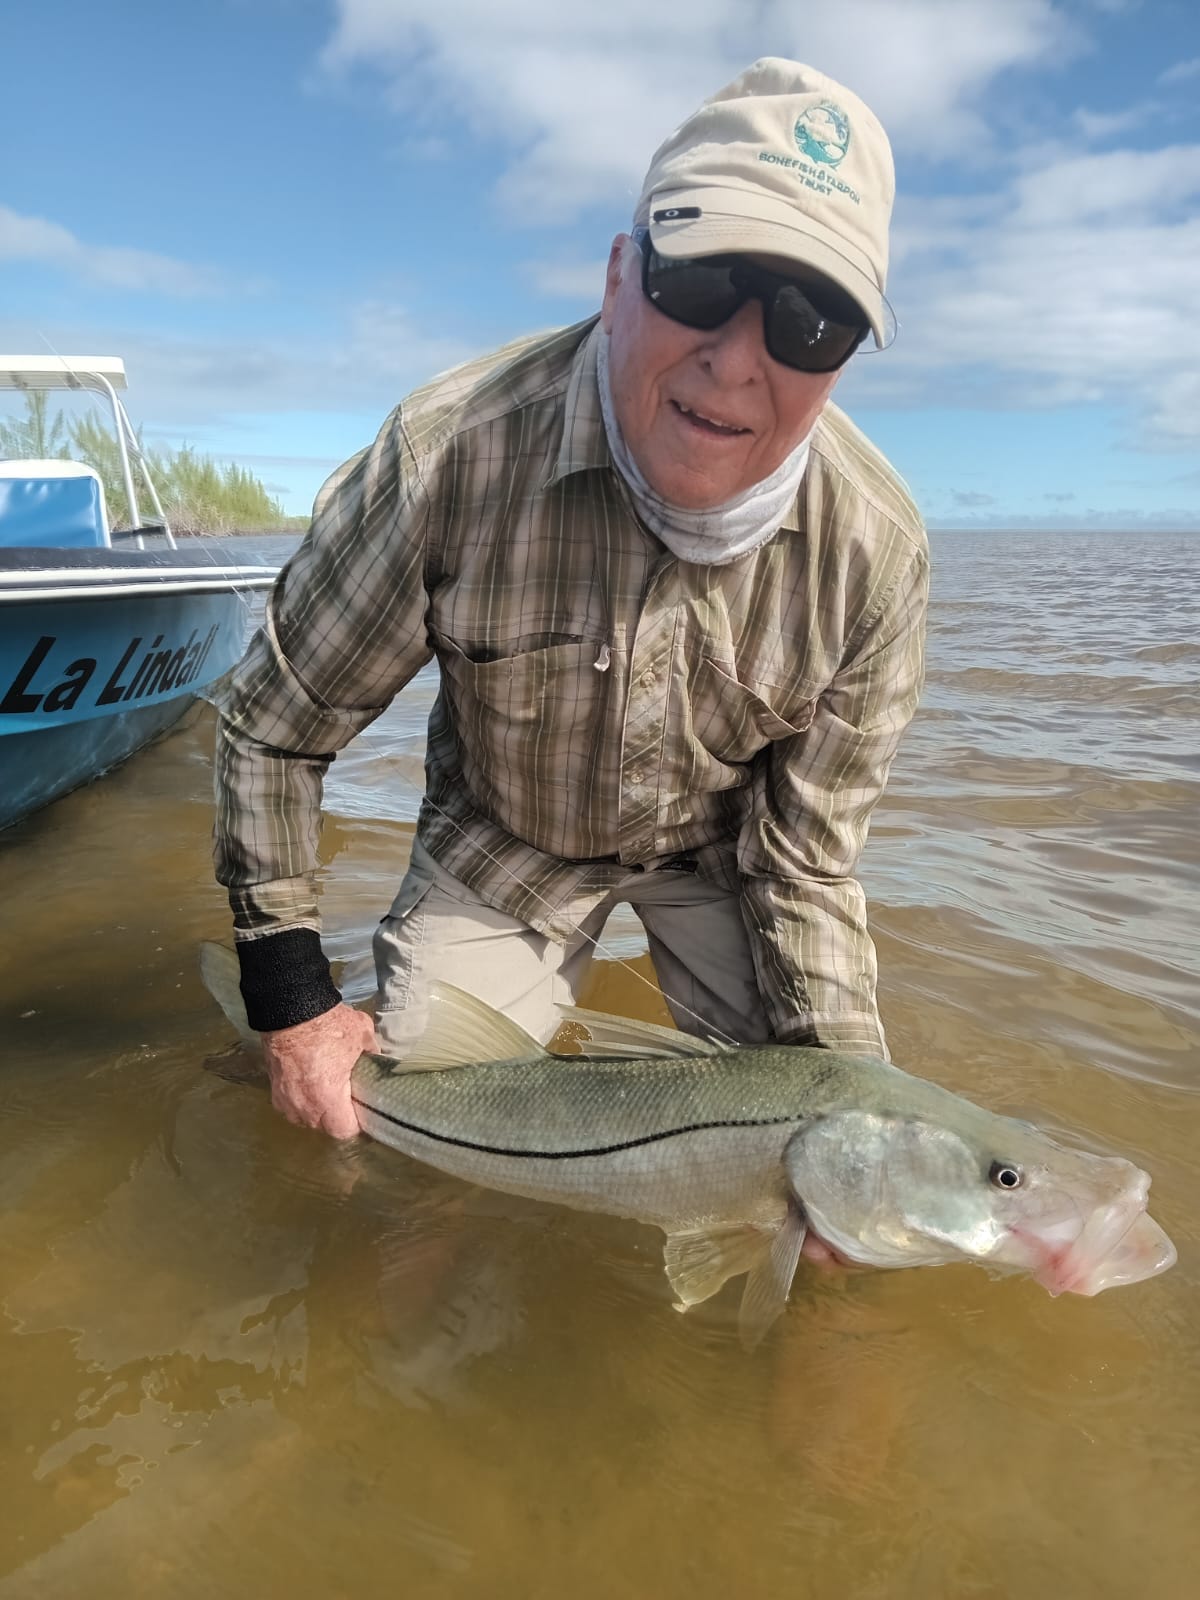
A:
[823,133]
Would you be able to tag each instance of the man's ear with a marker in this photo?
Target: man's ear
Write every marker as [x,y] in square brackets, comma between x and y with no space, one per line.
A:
[612,281]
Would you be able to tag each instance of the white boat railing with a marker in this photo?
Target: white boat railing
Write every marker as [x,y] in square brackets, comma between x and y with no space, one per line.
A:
[102,375]
[21,588]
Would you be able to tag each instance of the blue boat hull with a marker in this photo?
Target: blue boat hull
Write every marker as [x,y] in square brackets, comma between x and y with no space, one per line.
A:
[36,768]
[87,680]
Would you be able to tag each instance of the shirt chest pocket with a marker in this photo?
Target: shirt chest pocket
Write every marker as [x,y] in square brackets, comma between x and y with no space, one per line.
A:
[735,720]
[527,717]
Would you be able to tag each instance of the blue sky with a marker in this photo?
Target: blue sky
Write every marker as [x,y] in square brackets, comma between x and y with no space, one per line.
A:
[284,214]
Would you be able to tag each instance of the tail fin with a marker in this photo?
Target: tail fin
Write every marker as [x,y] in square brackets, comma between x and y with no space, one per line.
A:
[221,973]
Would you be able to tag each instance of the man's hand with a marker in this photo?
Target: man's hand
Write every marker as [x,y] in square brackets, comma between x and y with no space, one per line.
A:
[310,1065]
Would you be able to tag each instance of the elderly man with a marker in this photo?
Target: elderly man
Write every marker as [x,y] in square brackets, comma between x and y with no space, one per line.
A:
[677,602]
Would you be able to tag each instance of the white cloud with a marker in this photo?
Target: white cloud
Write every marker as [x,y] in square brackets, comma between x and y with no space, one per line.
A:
[1074,284]
[1096,125]
[385,347]
[576,99]
[36,239]
[1182,71]
[573,280]
[184,387]
[1174,408]
[1117,185]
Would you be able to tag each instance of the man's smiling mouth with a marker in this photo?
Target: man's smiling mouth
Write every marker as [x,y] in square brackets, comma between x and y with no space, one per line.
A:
[725,430]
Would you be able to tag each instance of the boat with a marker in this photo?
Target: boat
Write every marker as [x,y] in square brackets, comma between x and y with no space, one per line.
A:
[107,636]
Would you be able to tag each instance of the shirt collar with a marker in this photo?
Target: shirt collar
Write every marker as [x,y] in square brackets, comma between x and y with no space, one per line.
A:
[584,444]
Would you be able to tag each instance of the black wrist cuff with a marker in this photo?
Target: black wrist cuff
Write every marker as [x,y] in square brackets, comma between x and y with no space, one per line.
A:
[285,979]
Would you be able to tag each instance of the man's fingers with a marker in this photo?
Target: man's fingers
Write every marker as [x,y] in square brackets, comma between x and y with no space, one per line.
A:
[338,1120]
[341,1124]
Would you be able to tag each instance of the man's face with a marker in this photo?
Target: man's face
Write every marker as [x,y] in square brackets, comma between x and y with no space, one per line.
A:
[706,414]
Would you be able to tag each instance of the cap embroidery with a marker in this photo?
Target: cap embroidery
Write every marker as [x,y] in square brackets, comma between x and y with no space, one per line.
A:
[822,181]
[823,133]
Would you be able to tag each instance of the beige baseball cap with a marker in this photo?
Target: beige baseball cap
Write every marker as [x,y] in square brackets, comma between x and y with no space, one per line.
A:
[785,162]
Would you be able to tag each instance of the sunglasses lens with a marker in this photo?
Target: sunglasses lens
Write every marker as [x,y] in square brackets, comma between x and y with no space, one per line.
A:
[700,294]
[811,328]
[812,332]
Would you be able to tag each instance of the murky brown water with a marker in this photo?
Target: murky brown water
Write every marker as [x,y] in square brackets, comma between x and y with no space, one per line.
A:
[237,1359]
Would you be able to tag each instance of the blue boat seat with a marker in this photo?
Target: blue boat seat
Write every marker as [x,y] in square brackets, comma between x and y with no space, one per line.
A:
[55,504]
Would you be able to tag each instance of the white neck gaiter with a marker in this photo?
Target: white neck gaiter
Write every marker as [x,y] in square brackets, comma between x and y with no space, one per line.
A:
[722,533]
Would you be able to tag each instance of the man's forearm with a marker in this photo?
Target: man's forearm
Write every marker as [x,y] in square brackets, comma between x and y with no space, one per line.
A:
[265,847]
[343,632]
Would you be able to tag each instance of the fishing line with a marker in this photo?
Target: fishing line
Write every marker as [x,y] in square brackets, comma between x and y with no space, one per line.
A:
[391,763]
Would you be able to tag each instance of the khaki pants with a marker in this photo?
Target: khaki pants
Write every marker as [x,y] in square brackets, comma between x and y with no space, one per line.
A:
[438,929]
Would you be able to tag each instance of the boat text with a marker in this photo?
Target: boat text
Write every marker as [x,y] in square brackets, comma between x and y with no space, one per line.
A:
[43,684]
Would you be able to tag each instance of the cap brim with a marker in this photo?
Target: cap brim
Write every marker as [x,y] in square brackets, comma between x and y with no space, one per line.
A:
[717,221]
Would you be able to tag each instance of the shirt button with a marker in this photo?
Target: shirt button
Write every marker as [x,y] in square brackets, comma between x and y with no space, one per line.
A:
[647,678]
[637,775]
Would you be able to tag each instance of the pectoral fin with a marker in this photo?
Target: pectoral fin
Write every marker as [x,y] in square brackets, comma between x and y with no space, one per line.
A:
[700,1260]
[770,1280]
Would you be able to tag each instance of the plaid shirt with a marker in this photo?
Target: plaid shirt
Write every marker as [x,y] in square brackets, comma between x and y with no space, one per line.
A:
[747,714]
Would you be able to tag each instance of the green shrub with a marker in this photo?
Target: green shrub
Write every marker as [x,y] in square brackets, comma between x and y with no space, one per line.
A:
[198,494]
[38,435]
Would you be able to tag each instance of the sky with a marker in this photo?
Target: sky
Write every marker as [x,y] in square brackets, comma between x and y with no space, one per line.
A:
[285,214]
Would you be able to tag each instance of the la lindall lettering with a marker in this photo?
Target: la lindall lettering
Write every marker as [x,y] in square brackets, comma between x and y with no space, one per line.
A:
[60,688]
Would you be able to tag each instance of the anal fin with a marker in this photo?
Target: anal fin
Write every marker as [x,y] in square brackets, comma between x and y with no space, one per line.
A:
[699,1261]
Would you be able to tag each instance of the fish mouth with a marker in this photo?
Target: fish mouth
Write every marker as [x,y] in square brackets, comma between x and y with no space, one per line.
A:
[1120,1243]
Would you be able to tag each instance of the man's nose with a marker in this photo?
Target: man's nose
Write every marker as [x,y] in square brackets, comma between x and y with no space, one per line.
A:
[735,352]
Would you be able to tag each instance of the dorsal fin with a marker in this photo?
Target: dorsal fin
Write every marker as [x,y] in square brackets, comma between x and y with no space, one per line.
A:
[622,1036]
[463,1030]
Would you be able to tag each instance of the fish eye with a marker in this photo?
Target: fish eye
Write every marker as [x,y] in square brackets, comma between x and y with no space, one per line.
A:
[1004,1175]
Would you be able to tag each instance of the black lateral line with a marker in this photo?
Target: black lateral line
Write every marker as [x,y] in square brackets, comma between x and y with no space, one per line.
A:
[571,1155]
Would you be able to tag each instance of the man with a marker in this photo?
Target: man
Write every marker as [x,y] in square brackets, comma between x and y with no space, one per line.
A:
[677,603]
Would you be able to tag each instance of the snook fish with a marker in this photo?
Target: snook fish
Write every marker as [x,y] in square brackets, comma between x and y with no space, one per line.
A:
[736,1153]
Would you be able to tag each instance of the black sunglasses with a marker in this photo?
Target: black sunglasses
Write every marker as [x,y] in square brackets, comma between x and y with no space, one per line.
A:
[811,327]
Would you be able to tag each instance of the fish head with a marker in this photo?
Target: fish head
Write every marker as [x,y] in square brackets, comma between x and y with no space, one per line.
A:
[892,1189]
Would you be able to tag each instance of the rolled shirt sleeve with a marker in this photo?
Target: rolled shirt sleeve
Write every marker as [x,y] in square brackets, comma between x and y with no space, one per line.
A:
[813,798]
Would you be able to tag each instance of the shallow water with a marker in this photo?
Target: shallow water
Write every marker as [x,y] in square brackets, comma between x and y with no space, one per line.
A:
[240,1359]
